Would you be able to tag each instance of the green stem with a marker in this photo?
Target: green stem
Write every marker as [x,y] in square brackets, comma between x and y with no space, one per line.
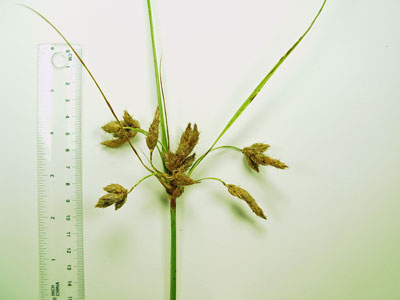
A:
[164,140]
[227,147]
[213,149]
[212,178]
[159,100]
[140,181]
[172,291]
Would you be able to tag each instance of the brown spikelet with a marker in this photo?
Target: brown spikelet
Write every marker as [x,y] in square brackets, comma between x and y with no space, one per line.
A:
[188,141]
[111,127]
[170,161]
[129,121]
[152,137]
[268,161]
[178,192]
[131,133]
[244,195]
[120,203]
[116,194]
[255,157]
[179,179]
[252,164]
[115,188]
[187,163]
[114,143]
[106,200]
[260,147]
[179,161]
[122,135]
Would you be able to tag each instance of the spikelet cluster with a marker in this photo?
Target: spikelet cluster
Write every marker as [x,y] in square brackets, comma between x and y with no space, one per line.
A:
[255,156]
[116,194]
[120,134]
[178,163]
[245,195]
[188,141]
[152,137]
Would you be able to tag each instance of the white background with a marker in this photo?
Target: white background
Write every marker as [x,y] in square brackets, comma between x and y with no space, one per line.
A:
[330,112]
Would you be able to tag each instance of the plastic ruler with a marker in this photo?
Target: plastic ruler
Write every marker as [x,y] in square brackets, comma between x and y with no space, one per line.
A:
[59,142]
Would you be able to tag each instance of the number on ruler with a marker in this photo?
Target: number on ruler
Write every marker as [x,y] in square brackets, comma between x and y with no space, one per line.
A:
[65,85]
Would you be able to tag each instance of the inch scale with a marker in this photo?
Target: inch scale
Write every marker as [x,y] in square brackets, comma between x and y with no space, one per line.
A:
[59,142]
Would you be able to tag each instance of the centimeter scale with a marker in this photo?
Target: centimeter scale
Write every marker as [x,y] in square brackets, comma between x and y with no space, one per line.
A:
[59,143]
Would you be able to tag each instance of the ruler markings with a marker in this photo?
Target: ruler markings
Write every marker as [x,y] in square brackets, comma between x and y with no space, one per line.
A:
[59,174]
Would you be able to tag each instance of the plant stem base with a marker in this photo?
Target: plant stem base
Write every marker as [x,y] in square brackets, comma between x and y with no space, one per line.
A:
[172,294]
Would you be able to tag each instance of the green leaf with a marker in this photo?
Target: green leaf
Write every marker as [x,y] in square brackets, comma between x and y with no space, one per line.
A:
[161,107]
[257,90]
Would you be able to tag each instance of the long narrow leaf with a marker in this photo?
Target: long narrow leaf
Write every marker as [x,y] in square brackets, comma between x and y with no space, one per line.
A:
[265,80]
[164,138]
[257,90]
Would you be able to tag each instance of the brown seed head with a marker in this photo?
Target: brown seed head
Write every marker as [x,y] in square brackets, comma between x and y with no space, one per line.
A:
[259,147]
[179,179]
[188,141]
[111,127]
[170,161]
[179,159]
[268,161]
[115,188]
[152,137]
[121,135]
[114,143]
[178,192]
[187,163]
[255,157]
[116,194]
[244,195]
[129,121]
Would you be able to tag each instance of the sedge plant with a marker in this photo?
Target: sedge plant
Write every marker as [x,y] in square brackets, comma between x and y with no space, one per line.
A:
[177,162]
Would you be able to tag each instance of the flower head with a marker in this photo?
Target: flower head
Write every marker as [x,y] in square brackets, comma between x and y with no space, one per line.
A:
[116,194]
[181,159]
[255,156]
[152,138]
[121,134]
[241,193]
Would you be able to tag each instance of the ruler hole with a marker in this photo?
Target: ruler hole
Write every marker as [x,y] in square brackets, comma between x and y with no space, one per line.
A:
[59,60]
